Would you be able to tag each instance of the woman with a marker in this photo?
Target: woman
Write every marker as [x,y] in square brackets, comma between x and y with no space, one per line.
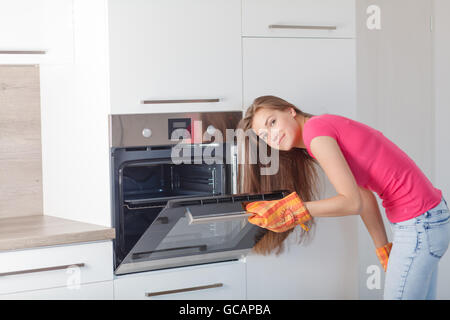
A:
[358,160]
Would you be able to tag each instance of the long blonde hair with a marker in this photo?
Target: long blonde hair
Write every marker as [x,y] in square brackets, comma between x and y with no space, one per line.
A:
[297,172]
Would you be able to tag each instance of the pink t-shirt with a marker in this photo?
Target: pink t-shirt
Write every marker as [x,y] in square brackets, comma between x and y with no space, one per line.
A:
[377,164]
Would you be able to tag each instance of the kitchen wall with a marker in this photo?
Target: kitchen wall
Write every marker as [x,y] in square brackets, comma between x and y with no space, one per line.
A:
[399,95]
[394,96]
[441,54]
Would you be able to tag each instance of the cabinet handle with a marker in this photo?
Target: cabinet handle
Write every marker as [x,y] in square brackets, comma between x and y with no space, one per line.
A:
[285,26]
[160,293]
[179,101]
[41,269]
[23,52]
[201,247]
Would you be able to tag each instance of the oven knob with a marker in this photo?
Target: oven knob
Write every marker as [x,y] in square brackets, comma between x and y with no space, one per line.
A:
[211,129]
[147,133]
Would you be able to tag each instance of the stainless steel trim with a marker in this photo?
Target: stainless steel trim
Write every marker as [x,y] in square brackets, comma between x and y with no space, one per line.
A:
[41,269]
[213,182]
[23,51]
[125,130]
[285,26]
[234,168]
[143,207]
[137,255]
[129,267]
[180,101]
[216,217]
[160,293]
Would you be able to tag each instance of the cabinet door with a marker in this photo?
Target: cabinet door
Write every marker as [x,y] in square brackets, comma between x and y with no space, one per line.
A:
[298,18]
[316,75]
[224,280]
[36,31]
[91,291]
[175,50]
[56,266]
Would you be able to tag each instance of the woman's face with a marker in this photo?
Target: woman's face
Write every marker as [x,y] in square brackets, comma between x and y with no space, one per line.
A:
[279,129]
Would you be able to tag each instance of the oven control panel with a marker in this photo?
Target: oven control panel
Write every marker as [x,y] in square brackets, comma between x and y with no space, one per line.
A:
[184,124]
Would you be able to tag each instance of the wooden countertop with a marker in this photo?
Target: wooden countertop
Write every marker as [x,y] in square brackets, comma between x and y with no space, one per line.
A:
[43,230]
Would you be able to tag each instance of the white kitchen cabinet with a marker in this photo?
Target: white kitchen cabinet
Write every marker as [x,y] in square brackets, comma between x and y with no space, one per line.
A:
[324,268]
[91,291]
[298,18]
[175,50]
[316,75]
[36,32]
[56,266]
[223,280]
[316,71]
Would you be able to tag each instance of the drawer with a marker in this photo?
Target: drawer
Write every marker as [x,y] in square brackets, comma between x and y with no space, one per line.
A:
[90,291]
[298,18]
[56,266]
[224,280]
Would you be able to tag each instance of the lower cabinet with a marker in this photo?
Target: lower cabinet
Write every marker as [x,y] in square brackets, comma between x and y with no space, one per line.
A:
[224,280]
[55,266]
[84,271]
[90,291]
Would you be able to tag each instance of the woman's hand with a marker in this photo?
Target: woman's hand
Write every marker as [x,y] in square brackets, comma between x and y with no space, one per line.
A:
[279,215]
[383,254]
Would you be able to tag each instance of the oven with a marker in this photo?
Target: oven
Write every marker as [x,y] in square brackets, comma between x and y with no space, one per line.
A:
[174,200]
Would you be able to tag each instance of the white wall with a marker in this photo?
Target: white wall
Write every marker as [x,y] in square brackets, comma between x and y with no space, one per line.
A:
[441,57]
[395,95]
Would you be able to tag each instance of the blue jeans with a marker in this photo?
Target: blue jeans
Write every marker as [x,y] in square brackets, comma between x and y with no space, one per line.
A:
[418,246]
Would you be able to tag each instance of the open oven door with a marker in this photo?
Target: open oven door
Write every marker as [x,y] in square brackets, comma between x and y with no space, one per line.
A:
[197,230]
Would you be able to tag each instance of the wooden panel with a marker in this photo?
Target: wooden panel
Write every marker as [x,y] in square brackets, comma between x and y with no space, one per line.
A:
[20,142]
[44,230]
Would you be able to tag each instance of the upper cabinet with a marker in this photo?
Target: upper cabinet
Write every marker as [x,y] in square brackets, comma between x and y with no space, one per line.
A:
[36,32]
[298,18]
[317,75]
[175,55]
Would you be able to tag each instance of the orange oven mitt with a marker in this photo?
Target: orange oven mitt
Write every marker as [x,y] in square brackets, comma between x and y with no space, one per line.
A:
[383,254]
[279,215]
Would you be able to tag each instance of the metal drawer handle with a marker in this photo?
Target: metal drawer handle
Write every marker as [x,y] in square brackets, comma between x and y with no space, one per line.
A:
[160,293]
[285,26]
[216,217]
[23,52]
[41,269]
[180,101]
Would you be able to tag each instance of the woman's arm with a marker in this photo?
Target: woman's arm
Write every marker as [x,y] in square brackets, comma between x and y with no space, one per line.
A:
[348,199]
[351,199]
[371,216]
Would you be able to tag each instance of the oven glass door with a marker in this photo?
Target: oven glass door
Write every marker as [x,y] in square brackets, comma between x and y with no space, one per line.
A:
[197,230]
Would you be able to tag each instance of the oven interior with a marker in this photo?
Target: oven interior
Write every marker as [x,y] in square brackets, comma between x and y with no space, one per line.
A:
[145,188]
